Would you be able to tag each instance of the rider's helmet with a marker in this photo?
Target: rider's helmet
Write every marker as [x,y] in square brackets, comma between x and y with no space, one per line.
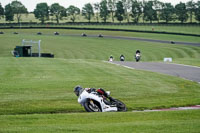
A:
[137,52]
[77,90]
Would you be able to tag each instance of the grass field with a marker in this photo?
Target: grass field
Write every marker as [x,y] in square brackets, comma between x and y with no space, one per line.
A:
[149,122]
[72,47]
[191,29]
[36,94]
[157,28]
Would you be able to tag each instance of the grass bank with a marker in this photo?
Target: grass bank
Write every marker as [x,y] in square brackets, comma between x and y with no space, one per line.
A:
[75,47]
[145,122]
[36,94]
[33,85]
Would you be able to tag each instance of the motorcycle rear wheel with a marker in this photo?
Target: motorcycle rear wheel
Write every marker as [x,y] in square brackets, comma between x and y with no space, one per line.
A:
[91,106]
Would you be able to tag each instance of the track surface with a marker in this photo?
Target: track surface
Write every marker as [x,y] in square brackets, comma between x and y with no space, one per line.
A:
[140,39]
[149,40]
[183,71]
[137,39]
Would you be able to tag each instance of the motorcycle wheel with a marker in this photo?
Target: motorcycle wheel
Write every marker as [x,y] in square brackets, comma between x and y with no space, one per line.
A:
[91,106]
[121,107]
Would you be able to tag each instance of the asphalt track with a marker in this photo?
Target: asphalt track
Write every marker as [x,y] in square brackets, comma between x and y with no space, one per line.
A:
[152,40]
[149,40]
[136,39]
[140,39]
[182,71]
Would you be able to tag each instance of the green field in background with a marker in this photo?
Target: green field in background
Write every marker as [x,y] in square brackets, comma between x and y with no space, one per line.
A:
[36,94]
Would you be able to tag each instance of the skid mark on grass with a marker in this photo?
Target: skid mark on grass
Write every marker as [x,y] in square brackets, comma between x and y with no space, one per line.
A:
[171,109]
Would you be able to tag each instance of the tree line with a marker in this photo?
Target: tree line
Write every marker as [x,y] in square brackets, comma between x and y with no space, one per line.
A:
[129,10]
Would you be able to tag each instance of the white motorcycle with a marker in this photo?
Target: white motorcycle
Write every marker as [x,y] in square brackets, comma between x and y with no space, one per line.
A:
[137,57]
[93,102]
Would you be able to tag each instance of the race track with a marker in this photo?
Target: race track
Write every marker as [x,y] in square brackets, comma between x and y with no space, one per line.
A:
[183,71]
[141,39]
[149,40]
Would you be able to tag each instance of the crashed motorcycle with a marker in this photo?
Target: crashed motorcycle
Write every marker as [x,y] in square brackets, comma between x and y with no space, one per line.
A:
[93,102]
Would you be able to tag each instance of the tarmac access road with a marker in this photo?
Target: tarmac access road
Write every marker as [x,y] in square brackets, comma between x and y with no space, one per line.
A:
[178,70]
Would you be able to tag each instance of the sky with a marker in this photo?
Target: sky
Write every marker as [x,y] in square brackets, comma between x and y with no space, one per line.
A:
[31,4]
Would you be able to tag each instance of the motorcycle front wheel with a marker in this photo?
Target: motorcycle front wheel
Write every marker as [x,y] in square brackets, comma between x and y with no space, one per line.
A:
[92,106]
[137,59]
[120,105]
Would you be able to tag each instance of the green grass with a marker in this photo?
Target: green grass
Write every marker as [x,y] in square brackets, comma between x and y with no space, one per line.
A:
[69,47]
[159,28]
[149,122]
[166,28]
[128,34]
[32,85]
[32,90]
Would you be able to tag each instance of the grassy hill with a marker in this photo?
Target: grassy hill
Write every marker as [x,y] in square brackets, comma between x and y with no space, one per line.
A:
[35,91]
[76,47]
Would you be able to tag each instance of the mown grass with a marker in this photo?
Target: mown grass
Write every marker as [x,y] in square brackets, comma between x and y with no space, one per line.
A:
[157,28]
[75,47]
[145,122]
[191,29]
[46,85]
[41,86]
[128,34]
[166,28]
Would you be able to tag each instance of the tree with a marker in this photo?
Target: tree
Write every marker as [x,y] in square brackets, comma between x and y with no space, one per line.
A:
[9,13]
[1,11]
[157,5]
[73,11]
[197,11]
[42,12]
[57,11]
[104,10]
[112,8]
[181,12]
[120,11]
[18,8]
[190,5]
[150,14]
[88,12]
[143,3]
[127,6]
[167,12]
[136,10]
[97,9]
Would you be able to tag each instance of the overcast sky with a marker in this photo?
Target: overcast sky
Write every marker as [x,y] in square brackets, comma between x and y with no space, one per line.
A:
[31,4]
